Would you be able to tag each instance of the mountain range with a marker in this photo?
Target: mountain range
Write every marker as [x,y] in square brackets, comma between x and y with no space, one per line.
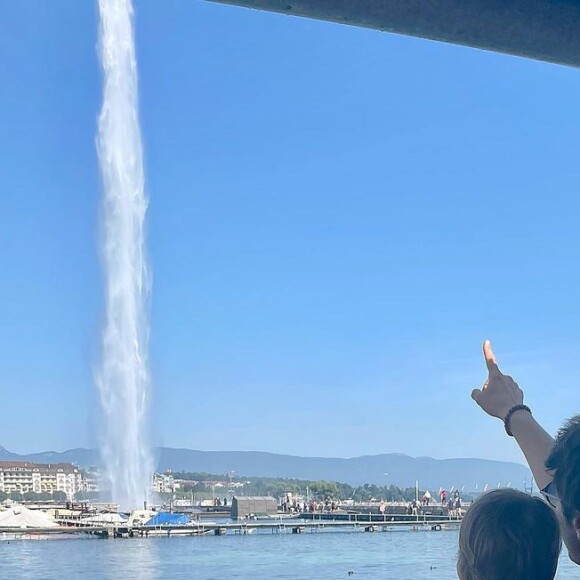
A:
[385,469]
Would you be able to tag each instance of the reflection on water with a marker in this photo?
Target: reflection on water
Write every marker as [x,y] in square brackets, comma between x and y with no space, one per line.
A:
[29,558]
[140,559]
[399,555]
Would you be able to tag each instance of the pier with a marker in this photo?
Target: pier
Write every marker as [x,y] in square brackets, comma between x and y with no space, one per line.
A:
[305,523]
[297,526]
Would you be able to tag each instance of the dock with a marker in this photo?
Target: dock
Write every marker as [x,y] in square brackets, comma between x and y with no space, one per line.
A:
[295,527]
[305,523]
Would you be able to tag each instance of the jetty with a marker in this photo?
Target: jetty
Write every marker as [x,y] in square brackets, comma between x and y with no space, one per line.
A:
[298,526]
[317,522]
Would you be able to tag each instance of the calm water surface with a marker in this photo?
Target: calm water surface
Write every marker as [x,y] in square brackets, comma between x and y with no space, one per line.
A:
[309,556]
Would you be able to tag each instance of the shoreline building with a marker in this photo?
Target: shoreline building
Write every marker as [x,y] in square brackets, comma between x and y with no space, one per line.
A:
[24,477]
[163,483]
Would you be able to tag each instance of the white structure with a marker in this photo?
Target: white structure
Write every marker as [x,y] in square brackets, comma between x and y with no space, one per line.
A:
[163,483]
[24,477]
[19,516]
[91,480]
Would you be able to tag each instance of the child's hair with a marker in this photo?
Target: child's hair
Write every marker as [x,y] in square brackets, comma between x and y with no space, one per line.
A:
[508,535]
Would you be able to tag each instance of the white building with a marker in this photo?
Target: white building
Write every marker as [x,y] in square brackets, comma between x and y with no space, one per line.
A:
[163,483]
[24,477]
[91,480]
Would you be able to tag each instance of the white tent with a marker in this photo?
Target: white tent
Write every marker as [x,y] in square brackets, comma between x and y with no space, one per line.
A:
[106,518]
[18,516]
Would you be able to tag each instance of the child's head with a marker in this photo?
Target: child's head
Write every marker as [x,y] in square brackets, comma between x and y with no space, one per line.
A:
[508,535]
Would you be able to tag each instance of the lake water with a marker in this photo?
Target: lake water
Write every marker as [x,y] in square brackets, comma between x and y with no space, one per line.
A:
[393,555]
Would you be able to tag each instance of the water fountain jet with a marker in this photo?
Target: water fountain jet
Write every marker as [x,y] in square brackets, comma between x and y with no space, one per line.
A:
[123,378]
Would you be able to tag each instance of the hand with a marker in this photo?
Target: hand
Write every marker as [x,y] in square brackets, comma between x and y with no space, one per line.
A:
[500,392]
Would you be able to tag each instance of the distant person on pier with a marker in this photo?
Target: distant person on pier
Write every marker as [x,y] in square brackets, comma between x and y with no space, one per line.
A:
[508,535]
[414,507]
[450,510]
[457,505]
[554,464]
[456,499]
[443,497]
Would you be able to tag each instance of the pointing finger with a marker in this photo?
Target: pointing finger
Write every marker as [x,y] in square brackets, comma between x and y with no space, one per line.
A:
[490,360]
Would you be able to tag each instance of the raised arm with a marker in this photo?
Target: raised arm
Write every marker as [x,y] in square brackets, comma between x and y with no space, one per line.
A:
[497,397]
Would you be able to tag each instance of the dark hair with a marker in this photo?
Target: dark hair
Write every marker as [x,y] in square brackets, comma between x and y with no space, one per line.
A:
[564,461]
[508,535]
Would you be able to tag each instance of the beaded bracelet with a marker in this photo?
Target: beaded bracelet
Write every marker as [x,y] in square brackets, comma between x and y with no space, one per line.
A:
[508,417]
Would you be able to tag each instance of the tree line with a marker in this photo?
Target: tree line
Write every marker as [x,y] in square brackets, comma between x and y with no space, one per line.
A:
[191,482]
[58,496]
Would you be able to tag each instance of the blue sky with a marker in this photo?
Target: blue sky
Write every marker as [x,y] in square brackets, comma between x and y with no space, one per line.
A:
[338,218]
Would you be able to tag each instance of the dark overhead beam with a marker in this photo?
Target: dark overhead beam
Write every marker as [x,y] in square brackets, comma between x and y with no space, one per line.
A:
[541,29]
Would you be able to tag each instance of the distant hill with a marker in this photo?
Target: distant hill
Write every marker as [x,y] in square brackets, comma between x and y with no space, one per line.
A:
[402,470]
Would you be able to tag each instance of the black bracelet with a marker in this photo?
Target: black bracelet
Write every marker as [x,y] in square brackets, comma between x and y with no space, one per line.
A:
[508,417]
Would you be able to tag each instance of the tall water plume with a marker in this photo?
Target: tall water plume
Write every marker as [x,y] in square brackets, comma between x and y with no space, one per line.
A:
[123,378]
